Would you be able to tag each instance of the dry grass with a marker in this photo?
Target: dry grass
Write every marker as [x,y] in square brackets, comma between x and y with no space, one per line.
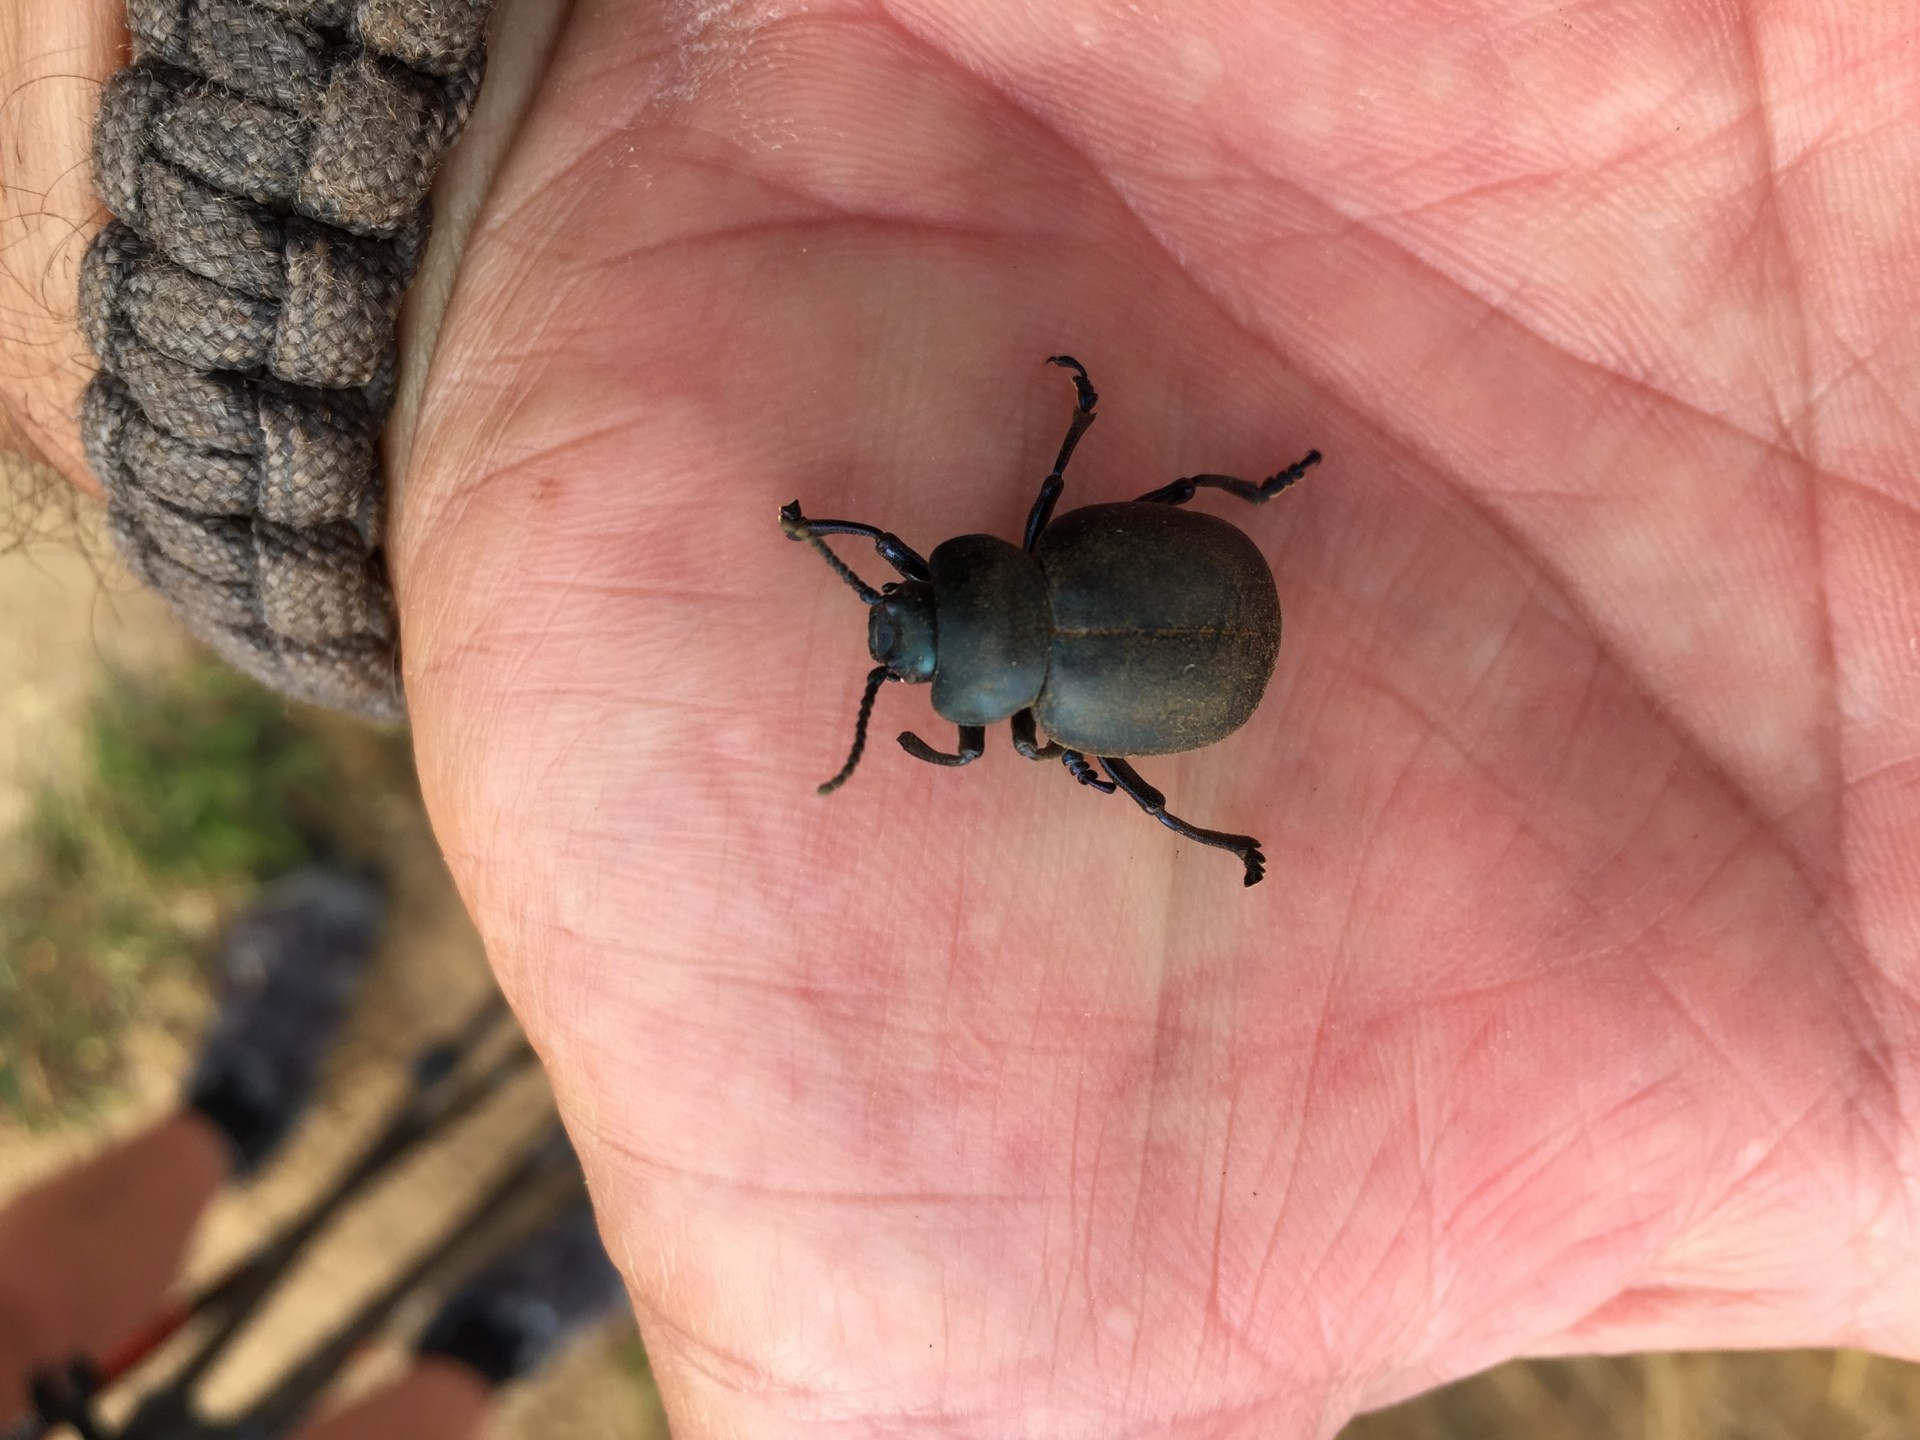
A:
[1787,1395]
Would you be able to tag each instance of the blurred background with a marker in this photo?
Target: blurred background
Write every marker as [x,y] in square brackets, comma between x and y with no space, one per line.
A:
[145,792]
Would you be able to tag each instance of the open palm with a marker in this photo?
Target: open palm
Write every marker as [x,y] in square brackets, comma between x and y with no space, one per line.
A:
[1575,1009]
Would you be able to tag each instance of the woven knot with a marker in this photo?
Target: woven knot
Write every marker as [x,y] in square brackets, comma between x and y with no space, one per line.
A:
[268,162]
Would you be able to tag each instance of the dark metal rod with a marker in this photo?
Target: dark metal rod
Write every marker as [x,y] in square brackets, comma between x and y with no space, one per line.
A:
[283,1407]
[443,1099]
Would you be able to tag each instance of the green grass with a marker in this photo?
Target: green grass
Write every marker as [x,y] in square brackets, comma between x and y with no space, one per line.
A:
[190,791]
[650,1417]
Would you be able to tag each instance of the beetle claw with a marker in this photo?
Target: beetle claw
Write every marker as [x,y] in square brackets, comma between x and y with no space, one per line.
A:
[1082,770]
[1086,399]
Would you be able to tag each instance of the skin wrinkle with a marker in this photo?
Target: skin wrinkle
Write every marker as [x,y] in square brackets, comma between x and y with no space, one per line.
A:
[1769,174]
[1735,123]
[1605,1239]
[1269,1259]
[1902,773]
[1725,1193]
[1790,1136]
[1825,637]
[1213,1308]
[1430,1279]
[1134,1229]
[750,230]
[1670,784]
[1460,749]
[740,153]
[1712,1045]
[1420,1206]
[1865,365]
[1681,1009]
[1359,222]
[1818,519]
[1545,570]
[1086,1226]
[1577,722]
[1661,145]
[1644,686]
[1866,1023]
[976,95]
[1527,1166]
[1233,1342]
[1561,584]
[1350,1215]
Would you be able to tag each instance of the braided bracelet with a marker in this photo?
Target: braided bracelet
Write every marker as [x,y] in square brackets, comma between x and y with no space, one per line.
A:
[267,162]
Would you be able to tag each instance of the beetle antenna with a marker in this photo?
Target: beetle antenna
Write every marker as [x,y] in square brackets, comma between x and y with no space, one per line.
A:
[796,527]
[876,677]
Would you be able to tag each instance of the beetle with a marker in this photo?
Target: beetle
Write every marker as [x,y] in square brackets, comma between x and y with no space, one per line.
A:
[1130,629]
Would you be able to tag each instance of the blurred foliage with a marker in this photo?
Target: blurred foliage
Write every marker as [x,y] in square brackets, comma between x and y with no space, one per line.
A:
[630,1354]
[190,790]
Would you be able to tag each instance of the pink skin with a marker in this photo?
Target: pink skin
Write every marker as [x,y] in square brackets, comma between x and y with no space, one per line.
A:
[1575,1012]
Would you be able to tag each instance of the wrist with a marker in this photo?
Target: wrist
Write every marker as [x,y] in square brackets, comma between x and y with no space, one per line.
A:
[54,57]
[520,39]
[269,171]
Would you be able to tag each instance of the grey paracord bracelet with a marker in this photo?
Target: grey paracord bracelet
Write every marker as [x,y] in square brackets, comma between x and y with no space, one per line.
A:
[267,162]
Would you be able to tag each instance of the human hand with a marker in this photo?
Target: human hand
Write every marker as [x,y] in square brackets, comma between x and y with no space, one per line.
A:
[1573,1012]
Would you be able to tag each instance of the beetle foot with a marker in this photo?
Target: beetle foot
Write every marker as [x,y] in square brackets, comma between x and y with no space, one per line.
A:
[1274,484]
[1256,864]
[1085,395]
[792,521]
[1082,770]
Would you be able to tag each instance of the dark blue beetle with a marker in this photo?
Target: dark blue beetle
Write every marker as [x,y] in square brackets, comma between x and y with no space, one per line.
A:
[1131,629]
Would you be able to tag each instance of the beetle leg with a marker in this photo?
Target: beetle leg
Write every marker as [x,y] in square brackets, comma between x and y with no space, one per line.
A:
[1026,740]
[1082,770]
[1086,399]
[973,741]
[889,546]
[1181,491]
[1155,804]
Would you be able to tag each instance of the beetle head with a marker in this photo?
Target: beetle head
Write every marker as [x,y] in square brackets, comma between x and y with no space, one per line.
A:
[901,633]
[900,619]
